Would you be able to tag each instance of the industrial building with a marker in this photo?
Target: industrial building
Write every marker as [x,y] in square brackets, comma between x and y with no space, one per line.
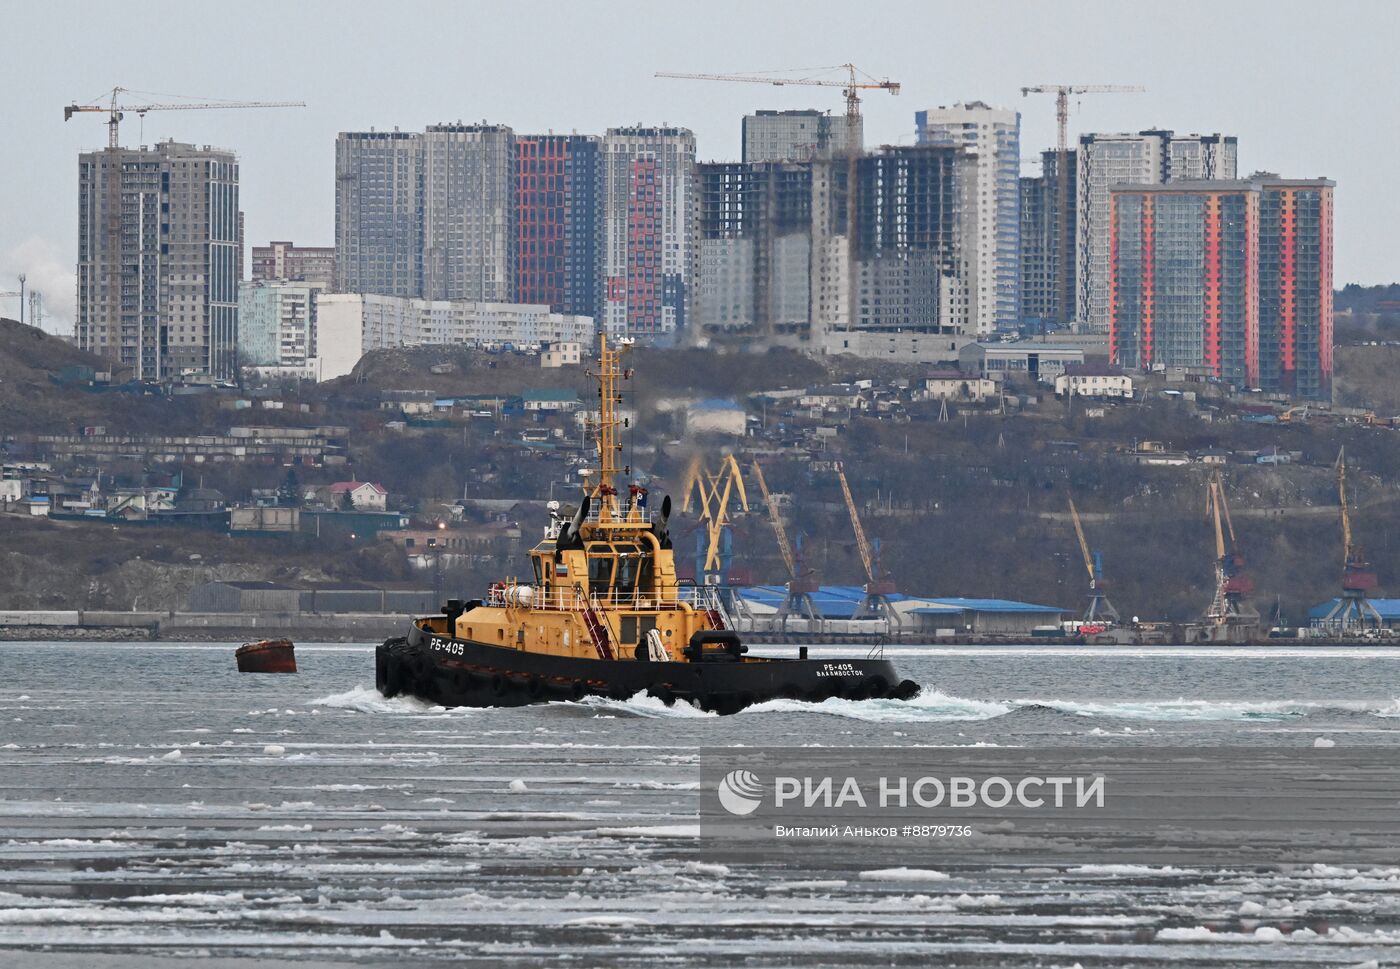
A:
[1234,277]
[932,617]
[993,137]
[160,256]
[1153,157]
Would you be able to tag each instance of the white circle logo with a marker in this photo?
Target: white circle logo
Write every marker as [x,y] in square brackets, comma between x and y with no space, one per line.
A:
[740,792]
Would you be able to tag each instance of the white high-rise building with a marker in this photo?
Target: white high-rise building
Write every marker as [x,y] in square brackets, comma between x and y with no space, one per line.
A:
[1152,157]
[351,324]
[277,326]
[469,212]
[993,137]
[649,229]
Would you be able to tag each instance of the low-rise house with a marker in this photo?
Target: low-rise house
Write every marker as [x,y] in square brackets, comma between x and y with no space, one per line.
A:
[956,385]
[1094,380]
[360,495]
[551,399]
[555,355]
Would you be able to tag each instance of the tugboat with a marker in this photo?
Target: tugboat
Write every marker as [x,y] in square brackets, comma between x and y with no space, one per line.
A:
[602,613]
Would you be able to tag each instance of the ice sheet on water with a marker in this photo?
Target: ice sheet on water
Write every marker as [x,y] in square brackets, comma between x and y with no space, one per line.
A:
[904,875]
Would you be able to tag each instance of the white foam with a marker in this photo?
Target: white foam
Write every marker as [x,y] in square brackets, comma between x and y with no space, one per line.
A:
[930,705]
[904,875]
[640,705]
[366,699]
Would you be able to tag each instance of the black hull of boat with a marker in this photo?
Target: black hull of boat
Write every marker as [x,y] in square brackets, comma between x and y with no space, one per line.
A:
[457,672]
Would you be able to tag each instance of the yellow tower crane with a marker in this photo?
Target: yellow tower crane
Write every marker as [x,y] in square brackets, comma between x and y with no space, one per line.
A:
[876,603]
[1354,610]
[801,584]
[1099,611]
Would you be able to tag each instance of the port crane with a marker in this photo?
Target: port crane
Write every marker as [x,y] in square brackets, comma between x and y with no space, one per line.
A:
[1099,611]
[877,602]
[710,494]
[1064,245]
[1232,583]
[801,581]
[111,104]
[1354,609]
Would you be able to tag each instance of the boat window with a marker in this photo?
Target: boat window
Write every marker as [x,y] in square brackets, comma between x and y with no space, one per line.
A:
[644,574]
[628,559]
[600,569]
[539,571]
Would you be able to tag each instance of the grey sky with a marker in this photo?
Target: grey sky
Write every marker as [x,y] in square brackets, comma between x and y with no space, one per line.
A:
[1307,88]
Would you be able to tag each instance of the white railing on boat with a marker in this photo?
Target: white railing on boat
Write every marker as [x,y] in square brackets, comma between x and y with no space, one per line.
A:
[577,599]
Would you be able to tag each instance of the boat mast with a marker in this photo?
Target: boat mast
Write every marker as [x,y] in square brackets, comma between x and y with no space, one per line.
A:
[610,376]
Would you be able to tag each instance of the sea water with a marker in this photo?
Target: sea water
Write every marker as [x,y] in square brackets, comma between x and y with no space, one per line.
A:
[159,808]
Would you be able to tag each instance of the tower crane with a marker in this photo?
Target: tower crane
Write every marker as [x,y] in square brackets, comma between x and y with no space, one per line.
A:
[108,104]
[1063,243]
[876,603]
[855,81]
[801,584]
[1099,611]
[1232,584]
[852,84]
[1354,609]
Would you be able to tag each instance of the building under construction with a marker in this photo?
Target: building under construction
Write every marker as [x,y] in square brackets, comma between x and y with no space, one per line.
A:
[778,265]
[755,252]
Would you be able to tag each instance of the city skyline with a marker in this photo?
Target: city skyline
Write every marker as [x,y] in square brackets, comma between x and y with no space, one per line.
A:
[284,154]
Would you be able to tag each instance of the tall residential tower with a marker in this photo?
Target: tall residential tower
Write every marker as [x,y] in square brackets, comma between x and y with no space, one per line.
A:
[160,258]
[993,137]
[379,212]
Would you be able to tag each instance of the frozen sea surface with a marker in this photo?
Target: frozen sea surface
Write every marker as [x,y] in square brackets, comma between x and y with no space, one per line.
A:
[157,808]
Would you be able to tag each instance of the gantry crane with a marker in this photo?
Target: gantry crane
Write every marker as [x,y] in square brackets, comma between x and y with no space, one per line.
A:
[1232,584]
[1099,611]
[710,493]
[115,111]
[801,583]
[1354,609]
[1064,244]
[877,602]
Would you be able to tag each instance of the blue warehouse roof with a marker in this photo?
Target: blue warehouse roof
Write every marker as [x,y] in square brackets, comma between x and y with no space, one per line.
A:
[1388,608]
[840,602]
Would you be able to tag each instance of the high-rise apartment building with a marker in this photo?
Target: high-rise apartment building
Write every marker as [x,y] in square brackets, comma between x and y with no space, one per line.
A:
[1295,285]
[993,137]
[1230,277]
[791,136]
[558,222]
[469,212]
[277,325]
[379,212]
[649,218]
[1154,157]
[160,258]
[1047,243]
[293,263]
[755,227]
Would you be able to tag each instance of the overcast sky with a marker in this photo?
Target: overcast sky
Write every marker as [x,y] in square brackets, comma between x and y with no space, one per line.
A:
[1306,87]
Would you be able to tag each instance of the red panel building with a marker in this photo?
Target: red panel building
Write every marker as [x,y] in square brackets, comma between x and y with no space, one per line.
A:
[559,228]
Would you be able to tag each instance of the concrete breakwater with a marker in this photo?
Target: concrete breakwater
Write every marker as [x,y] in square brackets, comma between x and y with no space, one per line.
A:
[214,626]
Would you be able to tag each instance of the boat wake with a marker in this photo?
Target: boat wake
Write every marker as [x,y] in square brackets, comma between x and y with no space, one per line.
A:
[931,706]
